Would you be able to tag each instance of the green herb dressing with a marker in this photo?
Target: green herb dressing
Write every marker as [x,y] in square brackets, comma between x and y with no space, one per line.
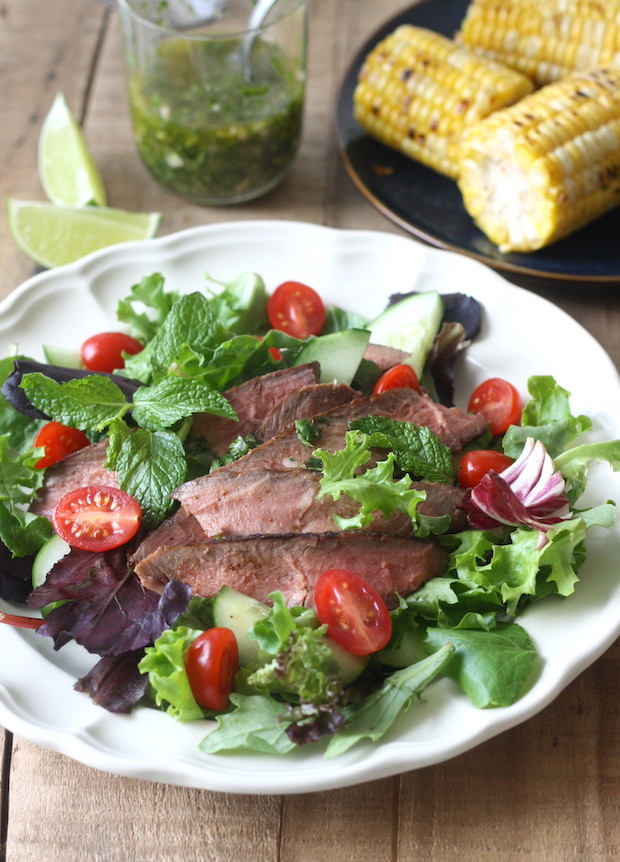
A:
[206,133]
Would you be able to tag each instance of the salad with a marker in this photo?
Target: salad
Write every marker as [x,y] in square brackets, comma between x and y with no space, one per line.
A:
[291,674]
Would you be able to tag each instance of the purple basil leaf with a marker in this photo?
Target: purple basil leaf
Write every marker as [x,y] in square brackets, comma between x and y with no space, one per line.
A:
[15,576]
[449,342]
[109,611]
[115,683]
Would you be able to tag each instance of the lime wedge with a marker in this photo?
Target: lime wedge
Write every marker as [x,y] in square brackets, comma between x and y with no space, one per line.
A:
[67,171]
[54,235]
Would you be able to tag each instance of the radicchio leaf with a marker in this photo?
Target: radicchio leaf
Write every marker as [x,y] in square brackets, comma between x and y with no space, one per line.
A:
[530,492]
[115,683]
[109,611]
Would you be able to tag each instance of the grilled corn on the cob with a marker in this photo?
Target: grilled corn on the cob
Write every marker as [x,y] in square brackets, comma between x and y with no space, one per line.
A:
[417,91]
[539,170]
[545,39]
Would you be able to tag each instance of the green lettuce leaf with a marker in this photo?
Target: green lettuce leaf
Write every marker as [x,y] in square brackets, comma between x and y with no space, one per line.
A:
[22,532]
[257,724]
[240,304]
[493,668]
[21,429]
[546,417]
[146,307]
[164,663]
[377,713]
[375,489]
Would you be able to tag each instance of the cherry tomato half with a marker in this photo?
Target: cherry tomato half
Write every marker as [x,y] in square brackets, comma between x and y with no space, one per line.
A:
[356,616]
[97,517]
[58,441]
[499,402]
[398,377]
[211,664]
[104,351]
[474,465]
[296,309]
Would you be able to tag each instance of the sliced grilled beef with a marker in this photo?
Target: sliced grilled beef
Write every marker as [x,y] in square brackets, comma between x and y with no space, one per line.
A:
[252,401]
[81,468]
[304,404]
[385,357]
[179,529]
[286,450]
[271,501]
[259,565]
[287,501]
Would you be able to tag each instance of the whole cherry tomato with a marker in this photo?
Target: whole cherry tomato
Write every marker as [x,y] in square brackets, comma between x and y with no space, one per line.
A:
[105,351]
[499,401]
[97,517]
[296,309]
[211,664]
[398,377]
[474,465]
[356,616]
[58,441]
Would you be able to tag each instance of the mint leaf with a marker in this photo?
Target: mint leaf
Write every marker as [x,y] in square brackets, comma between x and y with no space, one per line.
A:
[493,668]
[150,465]
[88,403]
[417,450]
[174,398]
[257,724]
[190,325]
[377,713]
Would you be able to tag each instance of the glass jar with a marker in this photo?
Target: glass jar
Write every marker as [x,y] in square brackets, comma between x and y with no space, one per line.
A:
[208,126]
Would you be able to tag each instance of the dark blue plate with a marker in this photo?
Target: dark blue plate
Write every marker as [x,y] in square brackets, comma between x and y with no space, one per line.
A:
[429,206]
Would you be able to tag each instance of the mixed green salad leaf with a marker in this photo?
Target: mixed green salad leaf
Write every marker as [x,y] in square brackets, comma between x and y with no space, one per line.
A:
[460,626]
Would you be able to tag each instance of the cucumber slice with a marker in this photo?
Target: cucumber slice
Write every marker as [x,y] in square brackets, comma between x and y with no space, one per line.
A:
[66,357]
[237,612]
[411,325]
[338,353]
[351,666]
[409,651]
[48,555]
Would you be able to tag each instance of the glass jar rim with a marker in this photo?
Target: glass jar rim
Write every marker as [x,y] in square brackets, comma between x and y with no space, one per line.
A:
[167,30]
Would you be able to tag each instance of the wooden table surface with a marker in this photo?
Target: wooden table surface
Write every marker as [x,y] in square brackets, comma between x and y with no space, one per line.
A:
[548,789]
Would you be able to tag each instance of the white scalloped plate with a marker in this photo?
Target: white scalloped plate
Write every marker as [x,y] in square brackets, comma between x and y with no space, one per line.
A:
[357,270]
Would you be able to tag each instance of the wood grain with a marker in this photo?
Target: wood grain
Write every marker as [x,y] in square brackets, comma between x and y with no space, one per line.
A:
[549,789]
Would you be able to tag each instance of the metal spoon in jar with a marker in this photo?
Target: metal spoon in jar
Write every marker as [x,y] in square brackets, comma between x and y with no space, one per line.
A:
[255,21]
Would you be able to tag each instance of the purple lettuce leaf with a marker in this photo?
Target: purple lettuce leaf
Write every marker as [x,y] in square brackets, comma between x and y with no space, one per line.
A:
[115,683]
[108,611]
